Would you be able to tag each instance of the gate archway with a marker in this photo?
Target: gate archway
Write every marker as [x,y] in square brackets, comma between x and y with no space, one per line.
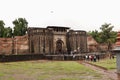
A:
[59,46]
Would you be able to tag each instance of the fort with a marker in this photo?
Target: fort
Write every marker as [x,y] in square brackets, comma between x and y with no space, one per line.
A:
[52,42]
[56,40]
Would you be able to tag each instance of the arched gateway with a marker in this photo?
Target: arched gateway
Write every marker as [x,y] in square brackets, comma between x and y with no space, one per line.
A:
[59,44]
[55,40]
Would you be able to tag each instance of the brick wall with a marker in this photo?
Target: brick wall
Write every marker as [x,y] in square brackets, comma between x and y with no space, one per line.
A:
[5,45]
[91,44]
[16,45]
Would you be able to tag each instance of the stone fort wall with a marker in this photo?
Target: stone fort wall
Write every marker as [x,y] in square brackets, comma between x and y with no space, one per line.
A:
[20,45]
[16,45]
[43,41]
[56,40]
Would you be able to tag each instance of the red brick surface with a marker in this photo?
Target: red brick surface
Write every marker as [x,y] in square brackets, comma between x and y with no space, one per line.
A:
[19,45]
[92,44]
[118,39]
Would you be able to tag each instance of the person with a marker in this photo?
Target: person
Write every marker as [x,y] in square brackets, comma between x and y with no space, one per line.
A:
[98,57]
[94,58]
[113,56]
[91,57]
[73,56]
[71,53]
[86,57]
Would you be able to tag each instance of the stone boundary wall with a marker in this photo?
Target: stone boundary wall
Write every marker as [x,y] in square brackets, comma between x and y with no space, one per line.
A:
[16,45]
[26,57]
[5,46]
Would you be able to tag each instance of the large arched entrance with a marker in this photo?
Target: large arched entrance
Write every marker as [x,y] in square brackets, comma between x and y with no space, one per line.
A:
[59,44]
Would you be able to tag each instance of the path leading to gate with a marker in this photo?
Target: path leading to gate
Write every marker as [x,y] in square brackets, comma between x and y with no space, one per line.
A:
[108,74]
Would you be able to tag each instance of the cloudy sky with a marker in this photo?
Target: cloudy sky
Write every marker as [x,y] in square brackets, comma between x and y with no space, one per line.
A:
[77,14]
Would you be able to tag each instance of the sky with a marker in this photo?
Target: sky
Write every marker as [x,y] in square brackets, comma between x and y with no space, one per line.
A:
[85,15]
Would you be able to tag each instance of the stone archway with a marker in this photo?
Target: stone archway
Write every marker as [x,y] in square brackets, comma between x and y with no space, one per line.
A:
[59,44]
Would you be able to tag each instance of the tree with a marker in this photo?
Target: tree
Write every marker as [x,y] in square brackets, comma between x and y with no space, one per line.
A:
[1,28]
[96,35]
[20,26]
[7,32]
[107,35]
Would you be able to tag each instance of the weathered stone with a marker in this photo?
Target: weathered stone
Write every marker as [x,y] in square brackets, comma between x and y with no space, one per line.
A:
[56,40]
[17,45]
[51,40]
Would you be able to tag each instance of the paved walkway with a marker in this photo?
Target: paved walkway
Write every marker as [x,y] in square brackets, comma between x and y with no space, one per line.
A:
[108,75]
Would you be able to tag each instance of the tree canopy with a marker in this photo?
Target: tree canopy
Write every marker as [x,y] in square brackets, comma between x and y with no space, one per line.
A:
[106,35]
[96,35]
[2,24]
[20,26]
[8,32]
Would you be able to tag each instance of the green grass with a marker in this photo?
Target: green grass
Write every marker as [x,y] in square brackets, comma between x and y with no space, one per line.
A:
[46,70]
[106,63]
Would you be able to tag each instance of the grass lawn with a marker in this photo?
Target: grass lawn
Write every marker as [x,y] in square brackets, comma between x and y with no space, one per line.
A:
[106,63]
[46,70]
